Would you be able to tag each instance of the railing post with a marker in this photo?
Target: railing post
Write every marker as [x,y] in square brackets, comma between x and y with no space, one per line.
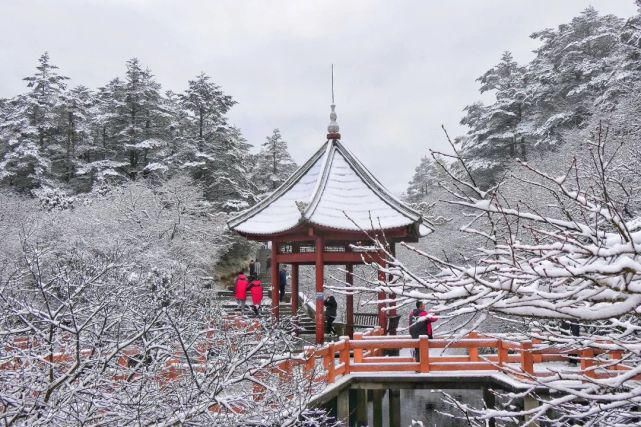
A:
[358,352]
[310,363]
[502,352]
[587,362]
[345,354]
[331,371]
[473,352]
[424,353]
[616,355]
[537,357]
[527,364]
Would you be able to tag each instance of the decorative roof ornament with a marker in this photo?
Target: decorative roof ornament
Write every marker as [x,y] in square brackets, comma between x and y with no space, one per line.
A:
[332,128]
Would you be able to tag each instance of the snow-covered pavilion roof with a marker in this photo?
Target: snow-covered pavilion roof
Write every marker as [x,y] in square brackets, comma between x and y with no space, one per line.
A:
[332,190]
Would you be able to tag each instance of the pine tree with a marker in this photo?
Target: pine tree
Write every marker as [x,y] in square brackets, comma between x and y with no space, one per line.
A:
[207,105]
[425,180]
[76,129]
[45,98]
[141,108]
[497,129]
[30,129]
[274,163]
[23,164]
[225,173]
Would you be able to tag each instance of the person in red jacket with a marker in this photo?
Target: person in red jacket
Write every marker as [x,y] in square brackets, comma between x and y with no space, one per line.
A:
[240,290]
[420,324]
[256,289]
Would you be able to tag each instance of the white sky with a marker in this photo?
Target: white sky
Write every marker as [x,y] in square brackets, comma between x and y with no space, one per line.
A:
[402,68]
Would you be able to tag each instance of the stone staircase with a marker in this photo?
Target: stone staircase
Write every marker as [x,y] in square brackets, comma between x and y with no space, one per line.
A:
[305,325]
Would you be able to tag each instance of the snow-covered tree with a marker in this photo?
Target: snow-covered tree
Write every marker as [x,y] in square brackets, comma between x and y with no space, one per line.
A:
[207,105]
[561,248]
[140,113]
[274,164]
[497,132]
[44,99]
[225,171]
[581,68]
[106,319]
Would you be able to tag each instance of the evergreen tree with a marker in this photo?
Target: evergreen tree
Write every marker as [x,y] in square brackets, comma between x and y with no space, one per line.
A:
[579,69]
[45,98]
[497,129]
[141,113]
[76,128]
[30,129]
[225,173]
[207,106]
[274,163]
[425,180]
[23,164]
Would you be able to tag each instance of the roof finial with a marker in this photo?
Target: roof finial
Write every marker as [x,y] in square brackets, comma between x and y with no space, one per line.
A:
[332,129]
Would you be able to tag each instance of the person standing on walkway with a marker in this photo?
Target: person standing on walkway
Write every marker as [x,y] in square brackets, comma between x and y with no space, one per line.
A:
[330,313]
[256,289]
[240,290]
[282,283]
[420,322]
[252,268]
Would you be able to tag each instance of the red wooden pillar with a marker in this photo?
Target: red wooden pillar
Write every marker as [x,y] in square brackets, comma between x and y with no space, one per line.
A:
[320,308]
[294,289]
[392,312]
[274,271]
[349,315]
[382,317]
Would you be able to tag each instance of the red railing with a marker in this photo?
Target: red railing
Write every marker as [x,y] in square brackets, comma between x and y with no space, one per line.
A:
[522,359]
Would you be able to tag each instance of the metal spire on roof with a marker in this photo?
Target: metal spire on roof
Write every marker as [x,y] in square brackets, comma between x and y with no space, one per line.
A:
[332,128]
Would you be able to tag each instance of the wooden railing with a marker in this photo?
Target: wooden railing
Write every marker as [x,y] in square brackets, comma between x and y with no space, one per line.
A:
[365,353]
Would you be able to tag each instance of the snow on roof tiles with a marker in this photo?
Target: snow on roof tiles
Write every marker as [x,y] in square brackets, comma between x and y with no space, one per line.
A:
[332,189]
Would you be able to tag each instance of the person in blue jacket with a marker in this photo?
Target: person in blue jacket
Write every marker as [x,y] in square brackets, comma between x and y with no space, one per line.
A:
[282,282]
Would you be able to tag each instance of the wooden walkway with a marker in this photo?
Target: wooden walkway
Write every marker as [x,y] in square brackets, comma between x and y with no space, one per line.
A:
[524,360]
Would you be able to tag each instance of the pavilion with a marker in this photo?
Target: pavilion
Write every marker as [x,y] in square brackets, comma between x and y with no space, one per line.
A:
[328,205]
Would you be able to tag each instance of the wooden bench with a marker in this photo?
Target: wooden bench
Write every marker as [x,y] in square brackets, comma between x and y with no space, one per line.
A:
[365,320]
[370,320]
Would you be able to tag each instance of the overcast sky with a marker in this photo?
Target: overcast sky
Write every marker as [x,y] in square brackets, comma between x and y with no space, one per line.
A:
[402,68]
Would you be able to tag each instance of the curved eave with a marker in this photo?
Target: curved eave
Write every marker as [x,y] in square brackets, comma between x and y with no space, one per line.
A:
[301,233]
[414,220]
[234,222]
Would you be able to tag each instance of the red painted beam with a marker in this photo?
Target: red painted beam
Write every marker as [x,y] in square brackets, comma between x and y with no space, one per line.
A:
[294,289]
[320,308]
[274,271]
[349,278]
[302,234]
[342,258]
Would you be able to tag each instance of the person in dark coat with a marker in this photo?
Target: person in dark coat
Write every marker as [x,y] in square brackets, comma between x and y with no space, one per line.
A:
[330,313]
[575,330]
[252,268]
[282,283]
[420,324]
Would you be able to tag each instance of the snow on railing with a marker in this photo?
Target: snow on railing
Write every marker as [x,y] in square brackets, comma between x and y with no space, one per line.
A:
[524,360]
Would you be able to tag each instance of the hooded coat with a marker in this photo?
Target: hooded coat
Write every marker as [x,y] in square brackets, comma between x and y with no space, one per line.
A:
[241,287]
[256,289]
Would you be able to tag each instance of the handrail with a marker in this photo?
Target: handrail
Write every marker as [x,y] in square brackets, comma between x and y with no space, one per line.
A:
[516,358]
[365,353]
